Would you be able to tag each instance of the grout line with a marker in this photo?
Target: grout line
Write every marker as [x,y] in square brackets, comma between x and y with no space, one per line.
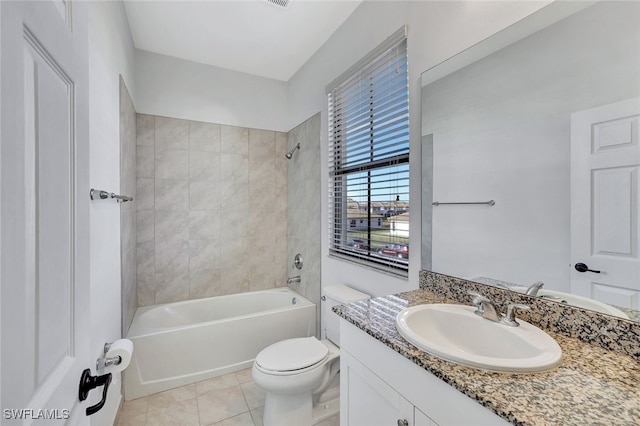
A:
[198,407]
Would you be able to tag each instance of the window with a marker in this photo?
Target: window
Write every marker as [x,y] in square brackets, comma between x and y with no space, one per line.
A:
[369,159]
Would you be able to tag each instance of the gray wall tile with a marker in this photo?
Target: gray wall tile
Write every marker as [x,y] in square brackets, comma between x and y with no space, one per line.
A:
[171,287]
[204,195]
[204,283]
[145,274]
[204,166]
[128,233]
[204,254]
[214,209]
[146,258]
[204,224]
[144,193]
[262,143]
[233,280]
[281,144]
[172,164]
[171,225]
[303,187]
[145,129]
[171,194]
[171,133]
[145,161]
[263,276]
[234,140]
[204,136]
[128,184]
[172,256]
[145,226]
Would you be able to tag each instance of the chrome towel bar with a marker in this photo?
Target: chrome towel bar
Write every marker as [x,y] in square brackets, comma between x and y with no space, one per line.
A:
[489,203]
[97,194]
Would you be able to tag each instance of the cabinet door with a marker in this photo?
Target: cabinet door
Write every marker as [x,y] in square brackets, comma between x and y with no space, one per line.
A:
[366,400]
[421,419]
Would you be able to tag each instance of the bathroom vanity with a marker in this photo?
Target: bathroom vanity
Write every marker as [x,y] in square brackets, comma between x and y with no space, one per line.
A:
[387,381]
[381,387]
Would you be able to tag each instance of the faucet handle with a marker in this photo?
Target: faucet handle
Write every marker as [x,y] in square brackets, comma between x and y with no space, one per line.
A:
[510,317]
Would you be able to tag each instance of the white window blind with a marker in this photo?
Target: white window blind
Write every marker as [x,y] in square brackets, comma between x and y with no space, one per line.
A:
[369,159]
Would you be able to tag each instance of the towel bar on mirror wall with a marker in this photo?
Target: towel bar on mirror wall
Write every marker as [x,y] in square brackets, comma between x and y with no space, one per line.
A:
[97,194]
[489,203]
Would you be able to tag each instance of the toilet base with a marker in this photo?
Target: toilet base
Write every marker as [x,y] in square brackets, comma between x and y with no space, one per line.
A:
[287,410]
[296,410]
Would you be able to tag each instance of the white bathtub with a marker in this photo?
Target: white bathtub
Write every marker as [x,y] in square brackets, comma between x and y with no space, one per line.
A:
[185,342]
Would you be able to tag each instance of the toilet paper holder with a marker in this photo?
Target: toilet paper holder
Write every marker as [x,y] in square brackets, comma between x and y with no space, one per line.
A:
[107,361]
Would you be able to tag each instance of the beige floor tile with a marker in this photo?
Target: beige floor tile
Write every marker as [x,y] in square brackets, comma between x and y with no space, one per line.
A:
[257,415]
[183,413]
[244,376]
[160,400]
[221,404]
[217,383]
[243,419]
[138,420]
[134,408]
[254,394]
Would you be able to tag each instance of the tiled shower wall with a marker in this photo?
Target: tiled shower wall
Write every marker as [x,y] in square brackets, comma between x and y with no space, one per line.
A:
[128,298]
[211,210]
[304,209]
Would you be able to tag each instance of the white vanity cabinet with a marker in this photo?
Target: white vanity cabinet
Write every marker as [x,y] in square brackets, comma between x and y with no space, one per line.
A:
[379,387]
[371,401]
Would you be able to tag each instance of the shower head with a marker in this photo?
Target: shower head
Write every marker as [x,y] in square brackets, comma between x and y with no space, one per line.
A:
[290,153]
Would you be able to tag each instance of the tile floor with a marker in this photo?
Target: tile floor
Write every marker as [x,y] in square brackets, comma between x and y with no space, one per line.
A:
[229,400]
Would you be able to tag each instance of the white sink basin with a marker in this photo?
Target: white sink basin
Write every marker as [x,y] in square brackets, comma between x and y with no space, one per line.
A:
[456,334]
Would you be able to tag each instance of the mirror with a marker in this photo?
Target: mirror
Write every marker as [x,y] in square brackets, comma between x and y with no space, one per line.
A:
[505,121]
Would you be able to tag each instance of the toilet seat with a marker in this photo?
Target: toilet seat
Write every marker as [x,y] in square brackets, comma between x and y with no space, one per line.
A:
[292,356]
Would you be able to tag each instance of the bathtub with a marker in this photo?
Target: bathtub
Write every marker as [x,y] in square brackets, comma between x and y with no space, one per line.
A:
[184,342]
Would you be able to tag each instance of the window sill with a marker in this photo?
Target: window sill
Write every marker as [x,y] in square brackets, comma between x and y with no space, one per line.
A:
[372,266]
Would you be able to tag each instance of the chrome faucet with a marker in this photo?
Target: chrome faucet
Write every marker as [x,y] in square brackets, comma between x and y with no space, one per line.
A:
[534,288]
[487,310]
[292,280]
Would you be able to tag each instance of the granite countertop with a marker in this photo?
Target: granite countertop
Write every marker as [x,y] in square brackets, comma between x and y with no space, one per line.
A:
[592,386]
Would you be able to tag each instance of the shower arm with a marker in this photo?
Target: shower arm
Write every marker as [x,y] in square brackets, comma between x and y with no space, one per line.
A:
[289,154]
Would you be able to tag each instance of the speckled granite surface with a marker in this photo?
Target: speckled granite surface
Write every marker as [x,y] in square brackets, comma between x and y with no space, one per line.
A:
[631,313]
[597,383]
[607,331]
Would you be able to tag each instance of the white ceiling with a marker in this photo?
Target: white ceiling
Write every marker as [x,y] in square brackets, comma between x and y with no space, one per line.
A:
[250,36]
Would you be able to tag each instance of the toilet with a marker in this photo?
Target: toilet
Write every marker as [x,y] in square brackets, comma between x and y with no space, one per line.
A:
[296,372]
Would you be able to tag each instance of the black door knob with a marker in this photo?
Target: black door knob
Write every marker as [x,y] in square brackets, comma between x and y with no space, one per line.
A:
[88,382]
[581,267]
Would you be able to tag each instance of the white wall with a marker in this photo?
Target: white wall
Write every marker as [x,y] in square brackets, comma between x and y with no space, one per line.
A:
[110,54]
[437,30]
[173,87]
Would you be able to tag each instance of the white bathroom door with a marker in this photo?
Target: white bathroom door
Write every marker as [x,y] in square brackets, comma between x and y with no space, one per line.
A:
[44,205]
[605,211]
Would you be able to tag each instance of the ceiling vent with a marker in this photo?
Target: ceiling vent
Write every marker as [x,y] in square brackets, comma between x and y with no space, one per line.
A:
[280,3]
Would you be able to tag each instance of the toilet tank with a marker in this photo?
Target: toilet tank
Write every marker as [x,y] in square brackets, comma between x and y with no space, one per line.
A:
[337,295]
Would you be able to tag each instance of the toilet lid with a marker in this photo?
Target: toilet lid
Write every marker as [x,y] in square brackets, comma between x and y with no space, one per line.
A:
[292,354]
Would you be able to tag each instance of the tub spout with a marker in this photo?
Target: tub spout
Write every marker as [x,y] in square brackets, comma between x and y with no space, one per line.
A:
[292,280]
